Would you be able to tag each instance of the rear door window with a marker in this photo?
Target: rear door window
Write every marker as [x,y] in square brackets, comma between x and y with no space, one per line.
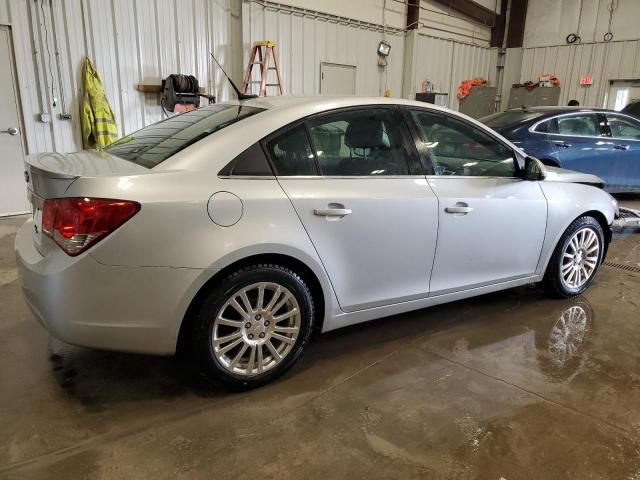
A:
[576,125]
[360,143]
[152,145]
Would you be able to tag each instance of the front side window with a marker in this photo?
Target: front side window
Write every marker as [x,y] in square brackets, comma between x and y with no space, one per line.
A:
[622,127]
[458,148]
[578,125]
[359,143]
[291,153]
[152,145]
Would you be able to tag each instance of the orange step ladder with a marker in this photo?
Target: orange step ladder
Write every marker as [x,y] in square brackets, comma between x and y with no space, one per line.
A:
[261,52]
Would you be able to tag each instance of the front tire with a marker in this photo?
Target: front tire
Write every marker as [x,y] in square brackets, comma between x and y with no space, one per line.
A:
[254,326]
[576,258]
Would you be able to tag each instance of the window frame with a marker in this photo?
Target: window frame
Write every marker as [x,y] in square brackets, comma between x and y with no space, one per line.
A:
[413,162]
[604,129]
[425,155]
[624,117]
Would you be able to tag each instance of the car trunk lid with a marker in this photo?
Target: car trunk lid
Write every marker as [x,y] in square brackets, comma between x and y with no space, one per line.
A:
[49,175]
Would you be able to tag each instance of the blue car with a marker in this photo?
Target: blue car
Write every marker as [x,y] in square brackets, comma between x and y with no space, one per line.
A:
[602,142]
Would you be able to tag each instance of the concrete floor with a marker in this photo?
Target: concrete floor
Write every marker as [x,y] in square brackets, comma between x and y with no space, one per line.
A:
[498,387]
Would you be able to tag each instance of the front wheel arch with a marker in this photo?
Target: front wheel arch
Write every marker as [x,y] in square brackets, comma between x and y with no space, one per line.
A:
[552,280]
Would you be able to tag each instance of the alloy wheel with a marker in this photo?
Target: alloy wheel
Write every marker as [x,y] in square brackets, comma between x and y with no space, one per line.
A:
[580,258]
[256,328]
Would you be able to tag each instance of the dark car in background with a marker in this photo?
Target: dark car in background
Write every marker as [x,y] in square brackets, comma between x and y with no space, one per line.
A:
[602,142]
[632,108]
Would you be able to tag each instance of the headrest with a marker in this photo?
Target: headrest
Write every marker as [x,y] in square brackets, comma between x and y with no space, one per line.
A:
[364,133]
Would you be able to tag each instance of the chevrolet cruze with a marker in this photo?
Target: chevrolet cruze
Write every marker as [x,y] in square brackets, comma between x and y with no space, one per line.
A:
[234,231]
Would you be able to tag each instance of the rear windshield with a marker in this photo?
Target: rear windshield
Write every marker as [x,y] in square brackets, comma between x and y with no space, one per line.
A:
[509,118]
[154,144]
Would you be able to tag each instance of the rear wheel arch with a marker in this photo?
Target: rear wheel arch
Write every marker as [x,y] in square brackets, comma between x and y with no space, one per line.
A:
[294,264]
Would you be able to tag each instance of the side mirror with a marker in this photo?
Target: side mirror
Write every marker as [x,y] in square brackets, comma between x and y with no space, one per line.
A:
[534,170]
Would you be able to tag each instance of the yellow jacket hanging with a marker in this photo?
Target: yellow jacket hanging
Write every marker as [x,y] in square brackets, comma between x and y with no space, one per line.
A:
[99,127]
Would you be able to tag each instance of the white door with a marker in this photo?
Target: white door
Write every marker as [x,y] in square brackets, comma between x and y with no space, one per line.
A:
[621,93]
[337,79]
[13,193]
[491,224]
[356,185]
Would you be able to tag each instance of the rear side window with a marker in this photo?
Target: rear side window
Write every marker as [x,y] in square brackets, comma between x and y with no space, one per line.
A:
[291,153]
[359,143]
[250,163]
[152,145]
[543,127]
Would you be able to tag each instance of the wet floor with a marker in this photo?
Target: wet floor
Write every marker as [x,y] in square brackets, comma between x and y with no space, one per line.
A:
[511,385]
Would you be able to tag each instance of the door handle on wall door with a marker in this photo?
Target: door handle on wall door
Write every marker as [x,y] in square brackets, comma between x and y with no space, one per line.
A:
[10,131]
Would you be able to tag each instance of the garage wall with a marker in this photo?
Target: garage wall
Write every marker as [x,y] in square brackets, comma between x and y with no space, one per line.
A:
[142,41]
[370,11]
[447,63]
[439,21]
[550,21]
[305,38]
[130,42]
[605,61]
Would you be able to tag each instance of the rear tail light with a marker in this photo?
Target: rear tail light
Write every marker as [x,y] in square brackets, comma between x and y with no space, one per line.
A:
[75,224]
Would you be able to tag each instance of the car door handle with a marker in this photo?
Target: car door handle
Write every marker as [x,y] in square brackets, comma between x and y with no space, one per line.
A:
[459,209]
[332,212]
[621,147]
[10,131]
[563,144]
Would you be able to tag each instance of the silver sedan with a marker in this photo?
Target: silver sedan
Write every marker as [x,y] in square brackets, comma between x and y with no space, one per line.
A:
[235,230]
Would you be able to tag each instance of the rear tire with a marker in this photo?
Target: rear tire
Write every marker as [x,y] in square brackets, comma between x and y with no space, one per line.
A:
[576,259]
[253,327]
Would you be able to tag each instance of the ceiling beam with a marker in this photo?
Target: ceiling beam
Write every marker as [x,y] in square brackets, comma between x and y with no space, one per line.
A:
[471,9]
[517,19]
[413,14]
[500,26]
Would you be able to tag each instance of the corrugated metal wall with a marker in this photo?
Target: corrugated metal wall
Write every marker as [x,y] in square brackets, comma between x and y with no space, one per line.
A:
[447,63]
[143,41]
[306,39]
[605,61]
[130,42]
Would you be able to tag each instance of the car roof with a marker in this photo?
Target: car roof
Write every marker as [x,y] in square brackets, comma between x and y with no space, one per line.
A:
[558,109]
[279,112]
[328,101]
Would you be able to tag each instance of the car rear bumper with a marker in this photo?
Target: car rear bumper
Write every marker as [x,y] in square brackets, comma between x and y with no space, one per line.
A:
[83,302]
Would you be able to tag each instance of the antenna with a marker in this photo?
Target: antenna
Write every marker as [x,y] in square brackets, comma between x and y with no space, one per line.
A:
[241,96]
